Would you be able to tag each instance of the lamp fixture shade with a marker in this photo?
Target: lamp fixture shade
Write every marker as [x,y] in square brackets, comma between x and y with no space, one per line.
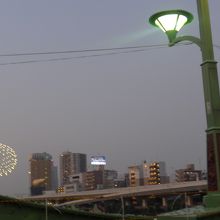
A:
[171,21]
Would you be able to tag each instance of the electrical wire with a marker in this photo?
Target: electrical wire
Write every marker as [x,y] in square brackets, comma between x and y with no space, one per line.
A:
[114,51]
[69,58]
[81,51]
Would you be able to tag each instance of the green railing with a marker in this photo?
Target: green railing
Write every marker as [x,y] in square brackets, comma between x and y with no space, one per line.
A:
[14,209]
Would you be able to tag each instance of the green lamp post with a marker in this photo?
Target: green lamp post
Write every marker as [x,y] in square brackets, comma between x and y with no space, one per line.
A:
[171,22]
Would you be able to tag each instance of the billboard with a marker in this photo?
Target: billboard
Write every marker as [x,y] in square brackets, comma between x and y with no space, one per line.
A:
[98,160]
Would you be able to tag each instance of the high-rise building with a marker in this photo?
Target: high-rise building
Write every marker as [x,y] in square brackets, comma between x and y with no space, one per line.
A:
[138,175]
[42,173]
[93,180]
[188,174]
[99,179]
[70,164]
[54,178]
[158,173]
[147,174]
[109,177]
[144,173]
[134,175]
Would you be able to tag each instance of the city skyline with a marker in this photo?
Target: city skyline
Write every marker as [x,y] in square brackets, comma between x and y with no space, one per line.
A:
[74,165]
[128,105]
[76,176]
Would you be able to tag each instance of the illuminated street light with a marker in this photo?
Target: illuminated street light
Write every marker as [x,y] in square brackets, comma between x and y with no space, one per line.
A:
[171,22]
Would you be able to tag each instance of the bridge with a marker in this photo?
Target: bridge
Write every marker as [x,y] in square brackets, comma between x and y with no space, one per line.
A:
[11,208]
[85,197]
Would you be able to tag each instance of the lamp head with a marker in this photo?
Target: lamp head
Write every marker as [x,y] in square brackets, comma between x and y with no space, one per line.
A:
[171,21]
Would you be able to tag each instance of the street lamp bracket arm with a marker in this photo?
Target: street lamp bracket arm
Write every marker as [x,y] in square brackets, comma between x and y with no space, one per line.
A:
[192,39]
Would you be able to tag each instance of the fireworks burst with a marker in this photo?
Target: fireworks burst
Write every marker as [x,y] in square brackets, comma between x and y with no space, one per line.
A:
[8,159]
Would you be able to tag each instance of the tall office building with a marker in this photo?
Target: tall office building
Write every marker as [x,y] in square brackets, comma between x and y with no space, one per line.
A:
[42,174]
[134,175]
[70,164]
[99,179]
[158,173]
[54,178]
[189,174]
[147,174]
[139,174]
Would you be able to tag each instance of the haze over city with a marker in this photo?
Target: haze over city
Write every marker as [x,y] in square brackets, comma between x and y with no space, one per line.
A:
[128,106]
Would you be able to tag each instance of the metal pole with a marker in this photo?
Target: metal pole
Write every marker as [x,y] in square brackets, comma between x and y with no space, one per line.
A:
[46,211]
[212,104]
[212,101]
[123,208]
[211,95]
[186,206]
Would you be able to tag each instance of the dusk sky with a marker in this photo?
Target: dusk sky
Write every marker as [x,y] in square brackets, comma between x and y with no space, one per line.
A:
[130,107]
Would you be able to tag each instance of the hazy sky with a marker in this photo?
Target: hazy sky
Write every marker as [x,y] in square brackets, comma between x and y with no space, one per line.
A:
[129,107]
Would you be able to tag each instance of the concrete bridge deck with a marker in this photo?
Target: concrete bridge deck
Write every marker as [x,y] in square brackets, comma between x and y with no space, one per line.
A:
[108,194]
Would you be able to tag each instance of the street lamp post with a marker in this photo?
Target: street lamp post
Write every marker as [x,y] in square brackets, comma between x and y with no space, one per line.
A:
[210,84]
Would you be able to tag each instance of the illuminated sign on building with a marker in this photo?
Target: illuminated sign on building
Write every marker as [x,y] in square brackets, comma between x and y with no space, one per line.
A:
[98,160]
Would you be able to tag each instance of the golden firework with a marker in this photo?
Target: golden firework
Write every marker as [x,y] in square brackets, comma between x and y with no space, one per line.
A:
[8,159]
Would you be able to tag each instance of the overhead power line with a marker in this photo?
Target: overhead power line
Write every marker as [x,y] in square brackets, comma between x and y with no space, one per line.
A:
[69,58]
[154,46]
[82,51]
[86,53]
